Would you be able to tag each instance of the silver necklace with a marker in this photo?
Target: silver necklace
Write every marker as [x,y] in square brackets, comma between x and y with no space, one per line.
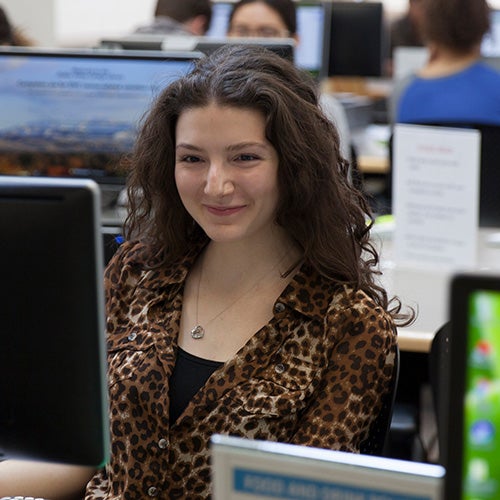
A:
[198,332]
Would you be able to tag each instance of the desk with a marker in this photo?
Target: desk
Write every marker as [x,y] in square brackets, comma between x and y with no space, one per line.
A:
[426,290]
[372,148]
[415,341]
[373,164]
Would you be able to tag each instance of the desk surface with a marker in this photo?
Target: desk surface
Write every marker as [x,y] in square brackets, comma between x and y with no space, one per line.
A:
[373,164]
[414,341]
[427,290]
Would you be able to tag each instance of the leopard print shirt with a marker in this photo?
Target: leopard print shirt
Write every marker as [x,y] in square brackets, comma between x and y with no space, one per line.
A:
[314,375]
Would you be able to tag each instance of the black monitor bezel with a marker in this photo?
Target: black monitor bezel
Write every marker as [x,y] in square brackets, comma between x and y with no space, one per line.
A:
[53,385]
[329,68]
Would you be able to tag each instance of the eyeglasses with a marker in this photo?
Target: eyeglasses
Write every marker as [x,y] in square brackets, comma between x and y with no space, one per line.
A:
[262,32]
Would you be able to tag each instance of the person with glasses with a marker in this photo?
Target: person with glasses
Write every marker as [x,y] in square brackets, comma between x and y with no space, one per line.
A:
[263,18]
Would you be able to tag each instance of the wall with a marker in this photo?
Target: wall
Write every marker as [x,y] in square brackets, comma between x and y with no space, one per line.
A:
[83,22]
[77,22]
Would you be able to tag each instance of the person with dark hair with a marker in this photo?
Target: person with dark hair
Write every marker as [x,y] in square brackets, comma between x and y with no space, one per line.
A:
[406,30]
[9,34]
[263,18]
[455,85]
[244,300]
[6,30]
[180,17]
[278,18]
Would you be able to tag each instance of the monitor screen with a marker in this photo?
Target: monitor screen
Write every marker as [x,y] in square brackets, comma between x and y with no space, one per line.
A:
[355,39]
[472,457]
[53,389]
[253,470]
[310,23]
[74,114]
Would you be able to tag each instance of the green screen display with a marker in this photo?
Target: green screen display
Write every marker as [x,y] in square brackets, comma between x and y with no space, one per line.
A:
[481,452]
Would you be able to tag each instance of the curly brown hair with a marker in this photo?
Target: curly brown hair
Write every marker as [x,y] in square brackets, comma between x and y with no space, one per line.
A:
[319,207]
[456,24]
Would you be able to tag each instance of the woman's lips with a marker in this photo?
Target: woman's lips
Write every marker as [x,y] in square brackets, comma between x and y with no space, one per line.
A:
[223,211]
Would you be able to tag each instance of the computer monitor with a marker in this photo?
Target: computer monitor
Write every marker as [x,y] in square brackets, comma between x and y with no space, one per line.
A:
[355,39]
[310,25]
[74,113]
[250,469]
[204,45]
[53,389]
[472,385]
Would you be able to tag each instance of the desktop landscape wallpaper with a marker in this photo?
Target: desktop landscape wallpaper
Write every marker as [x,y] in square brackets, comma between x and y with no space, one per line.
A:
[67,115]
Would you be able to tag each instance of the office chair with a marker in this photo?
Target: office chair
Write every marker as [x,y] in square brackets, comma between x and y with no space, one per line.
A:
[376,442]
[439,377]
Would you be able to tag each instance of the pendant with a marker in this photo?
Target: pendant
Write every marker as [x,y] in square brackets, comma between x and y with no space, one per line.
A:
[198,332]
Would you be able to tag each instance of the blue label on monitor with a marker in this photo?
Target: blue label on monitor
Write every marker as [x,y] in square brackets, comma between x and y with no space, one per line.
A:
[296,488]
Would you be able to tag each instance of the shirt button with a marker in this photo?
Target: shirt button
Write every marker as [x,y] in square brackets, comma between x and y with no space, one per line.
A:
[153,491]
[279,307]
[162,443]
[279,368]
[132,336]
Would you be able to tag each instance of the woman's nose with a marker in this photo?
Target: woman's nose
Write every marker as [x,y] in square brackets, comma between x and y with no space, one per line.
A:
[218,182]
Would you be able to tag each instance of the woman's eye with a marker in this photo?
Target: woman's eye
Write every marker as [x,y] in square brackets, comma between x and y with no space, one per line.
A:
[189,159]
[246,157]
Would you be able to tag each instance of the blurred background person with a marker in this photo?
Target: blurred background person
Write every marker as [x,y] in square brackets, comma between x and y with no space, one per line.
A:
[454,85]
[263,18]
[406,30]
[10,34]
[180,17]
[278,19]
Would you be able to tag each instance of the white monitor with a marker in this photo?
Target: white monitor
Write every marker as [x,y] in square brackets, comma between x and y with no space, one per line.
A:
[408,60]
[244,469]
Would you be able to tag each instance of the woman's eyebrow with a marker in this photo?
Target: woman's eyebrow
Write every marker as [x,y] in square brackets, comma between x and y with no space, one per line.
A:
[186,145]
[241,145]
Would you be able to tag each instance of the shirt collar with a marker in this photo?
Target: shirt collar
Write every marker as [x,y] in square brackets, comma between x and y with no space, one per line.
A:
[308,293]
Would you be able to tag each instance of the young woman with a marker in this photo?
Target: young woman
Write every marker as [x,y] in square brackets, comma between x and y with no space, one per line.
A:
[243,301]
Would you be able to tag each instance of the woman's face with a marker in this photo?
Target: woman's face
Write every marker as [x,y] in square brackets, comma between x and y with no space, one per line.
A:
[256,19]
[226,172]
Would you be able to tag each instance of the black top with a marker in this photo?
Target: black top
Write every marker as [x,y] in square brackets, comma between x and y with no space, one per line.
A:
[189,376]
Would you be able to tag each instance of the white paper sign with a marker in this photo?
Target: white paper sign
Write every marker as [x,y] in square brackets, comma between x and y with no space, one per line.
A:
[436,196]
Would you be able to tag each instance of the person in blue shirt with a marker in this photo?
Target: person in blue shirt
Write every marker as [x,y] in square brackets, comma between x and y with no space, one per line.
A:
[455,85]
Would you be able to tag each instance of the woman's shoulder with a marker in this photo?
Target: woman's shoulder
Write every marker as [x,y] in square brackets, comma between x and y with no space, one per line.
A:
[348,297]
[355,305]
[354,314]
[133,252]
